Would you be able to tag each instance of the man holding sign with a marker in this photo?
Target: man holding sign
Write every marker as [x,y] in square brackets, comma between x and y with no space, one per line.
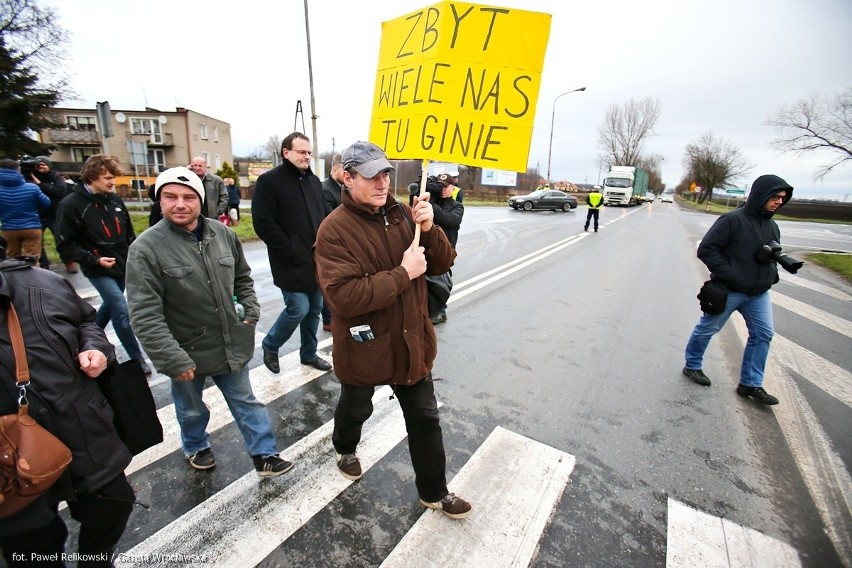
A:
[371,271]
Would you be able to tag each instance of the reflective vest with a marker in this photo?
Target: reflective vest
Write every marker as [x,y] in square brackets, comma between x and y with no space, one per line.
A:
[594,200]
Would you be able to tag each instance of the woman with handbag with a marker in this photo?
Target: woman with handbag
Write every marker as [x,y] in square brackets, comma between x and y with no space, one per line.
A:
[64,350]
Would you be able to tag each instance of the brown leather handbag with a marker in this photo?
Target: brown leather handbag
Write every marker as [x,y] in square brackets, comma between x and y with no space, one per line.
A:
[31,458]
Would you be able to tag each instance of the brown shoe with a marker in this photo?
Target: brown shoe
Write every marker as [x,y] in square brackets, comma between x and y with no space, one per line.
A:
[326,327]
[349,466]
[452,505]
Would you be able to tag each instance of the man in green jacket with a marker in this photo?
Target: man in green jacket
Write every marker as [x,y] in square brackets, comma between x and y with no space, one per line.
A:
[187,281]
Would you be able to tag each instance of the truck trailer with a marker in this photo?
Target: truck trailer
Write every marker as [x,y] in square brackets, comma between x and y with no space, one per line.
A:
[625,185]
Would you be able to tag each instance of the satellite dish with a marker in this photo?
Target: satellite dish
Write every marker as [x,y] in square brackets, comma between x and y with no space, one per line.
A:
[162,118]
[120,117]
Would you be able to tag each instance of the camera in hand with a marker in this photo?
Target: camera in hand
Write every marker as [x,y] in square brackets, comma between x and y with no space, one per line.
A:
[772,252]
[28,167]
[433,186]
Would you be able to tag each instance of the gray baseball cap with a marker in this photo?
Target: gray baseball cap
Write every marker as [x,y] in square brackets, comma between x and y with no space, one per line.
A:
[365,158]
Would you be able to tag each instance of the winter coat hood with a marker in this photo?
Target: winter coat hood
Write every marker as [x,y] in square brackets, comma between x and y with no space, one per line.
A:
[11,178]
[761,190]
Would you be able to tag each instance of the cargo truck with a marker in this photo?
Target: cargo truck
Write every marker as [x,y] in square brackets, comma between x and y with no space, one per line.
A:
[625,185]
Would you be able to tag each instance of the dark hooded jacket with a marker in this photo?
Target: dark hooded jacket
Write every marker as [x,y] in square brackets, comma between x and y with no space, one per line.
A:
[91,226]
[730,247]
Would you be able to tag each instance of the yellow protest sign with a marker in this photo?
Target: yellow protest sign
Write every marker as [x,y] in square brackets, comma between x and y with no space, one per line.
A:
[459,83]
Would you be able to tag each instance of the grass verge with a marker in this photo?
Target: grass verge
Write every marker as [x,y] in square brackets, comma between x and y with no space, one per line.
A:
[836,262]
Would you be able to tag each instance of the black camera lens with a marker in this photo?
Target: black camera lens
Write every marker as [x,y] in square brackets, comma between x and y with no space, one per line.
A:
[789,263]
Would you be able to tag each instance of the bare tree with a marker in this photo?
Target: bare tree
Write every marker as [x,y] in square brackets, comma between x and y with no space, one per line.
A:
[624,130]
[272,148]
[713,162]
[31,79]
[652,163]
[816,124]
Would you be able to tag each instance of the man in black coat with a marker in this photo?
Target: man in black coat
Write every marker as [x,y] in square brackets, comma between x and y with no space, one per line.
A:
[54,186]
[287,209]
[65,351]
[740,251]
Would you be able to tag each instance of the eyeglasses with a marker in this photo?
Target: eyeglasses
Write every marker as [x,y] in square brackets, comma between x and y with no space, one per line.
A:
[306,153]
[777,198]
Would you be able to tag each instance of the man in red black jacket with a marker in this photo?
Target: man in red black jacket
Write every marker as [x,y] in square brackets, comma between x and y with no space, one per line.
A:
[94,230]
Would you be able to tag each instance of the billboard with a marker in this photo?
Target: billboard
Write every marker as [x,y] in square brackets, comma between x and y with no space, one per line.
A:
[459,83]
[499,177]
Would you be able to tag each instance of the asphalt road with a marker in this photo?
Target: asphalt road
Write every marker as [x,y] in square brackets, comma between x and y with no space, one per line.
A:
[573,341]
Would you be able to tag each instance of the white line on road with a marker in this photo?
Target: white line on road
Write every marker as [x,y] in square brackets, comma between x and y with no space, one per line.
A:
[696,538]
[243,523]
[514,484]
[822,470]
[266,386]
[816,287]
[816,315]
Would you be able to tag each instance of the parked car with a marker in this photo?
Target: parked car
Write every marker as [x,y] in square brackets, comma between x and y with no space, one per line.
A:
[544,199]
[667,198]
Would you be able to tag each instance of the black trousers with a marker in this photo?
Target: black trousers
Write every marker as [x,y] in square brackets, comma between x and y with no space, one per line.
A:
[102,515]
[425,440]
[592,213]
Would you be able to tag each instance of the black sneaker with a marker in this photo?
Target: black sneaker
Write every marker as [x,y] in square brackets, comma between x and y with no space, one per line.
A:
[758,394]
[349,466]
[202,459]
[452,505]
[271,466]
[696,376]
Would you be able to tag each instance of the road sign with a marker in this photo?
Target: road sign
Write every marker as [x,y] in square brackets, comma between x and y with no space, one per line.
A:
[735,191]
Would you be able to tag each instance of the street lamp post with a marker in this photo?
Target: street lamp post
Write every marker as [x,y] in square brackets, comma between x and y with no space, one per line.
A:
[552,117]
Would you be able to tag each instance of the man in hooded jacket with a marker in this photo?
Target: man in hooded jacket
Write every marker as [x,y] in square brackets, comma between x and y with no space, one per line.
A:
[735,251]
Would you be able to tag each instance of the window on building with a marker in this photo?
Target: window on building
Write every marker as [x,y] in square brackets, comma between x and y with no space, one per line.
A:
[206,156]
[204,132]
[217,162]
[82,154]
[215,134]
[81,122]
[149,127]
[156,161]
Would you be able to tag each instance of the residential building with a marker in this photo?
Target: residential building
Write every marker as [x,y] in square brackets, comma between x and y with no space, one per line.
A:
[160,140]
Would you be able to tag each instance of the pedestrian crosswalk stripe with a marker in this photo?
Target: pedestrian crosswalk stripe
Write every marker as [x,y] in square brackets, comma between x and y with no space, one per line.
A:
[815,286]
[833,379]
[822,469]
[243,523]
[696,538]
[816,315]
[514,484]
[266,386]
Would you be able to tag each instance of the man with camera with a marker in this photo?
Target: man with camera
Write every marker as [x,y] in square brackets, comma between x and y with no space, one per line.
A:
[54,186]
[741,250]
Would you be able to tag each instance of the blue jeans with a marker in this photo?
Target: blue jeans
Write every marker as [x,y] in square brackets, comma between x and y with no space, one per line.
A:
[301,309]
[757,313]
[248,412]
[114,308]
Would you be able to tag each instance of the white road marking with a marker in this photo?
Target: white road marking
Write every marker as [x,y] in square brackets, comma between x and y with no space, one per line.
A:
[822,470]
[513,484]
[243,523]
[815,286]
[696,538]
[266,386]
[816,315]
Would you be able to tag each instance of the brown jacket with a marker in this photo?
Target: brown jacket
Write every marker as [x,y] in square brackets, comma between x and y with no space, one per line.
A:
[357,257]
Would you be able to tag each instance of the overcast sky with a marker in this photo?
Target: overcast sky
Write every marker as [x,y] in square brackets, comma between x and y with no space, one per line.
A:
[720,66]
